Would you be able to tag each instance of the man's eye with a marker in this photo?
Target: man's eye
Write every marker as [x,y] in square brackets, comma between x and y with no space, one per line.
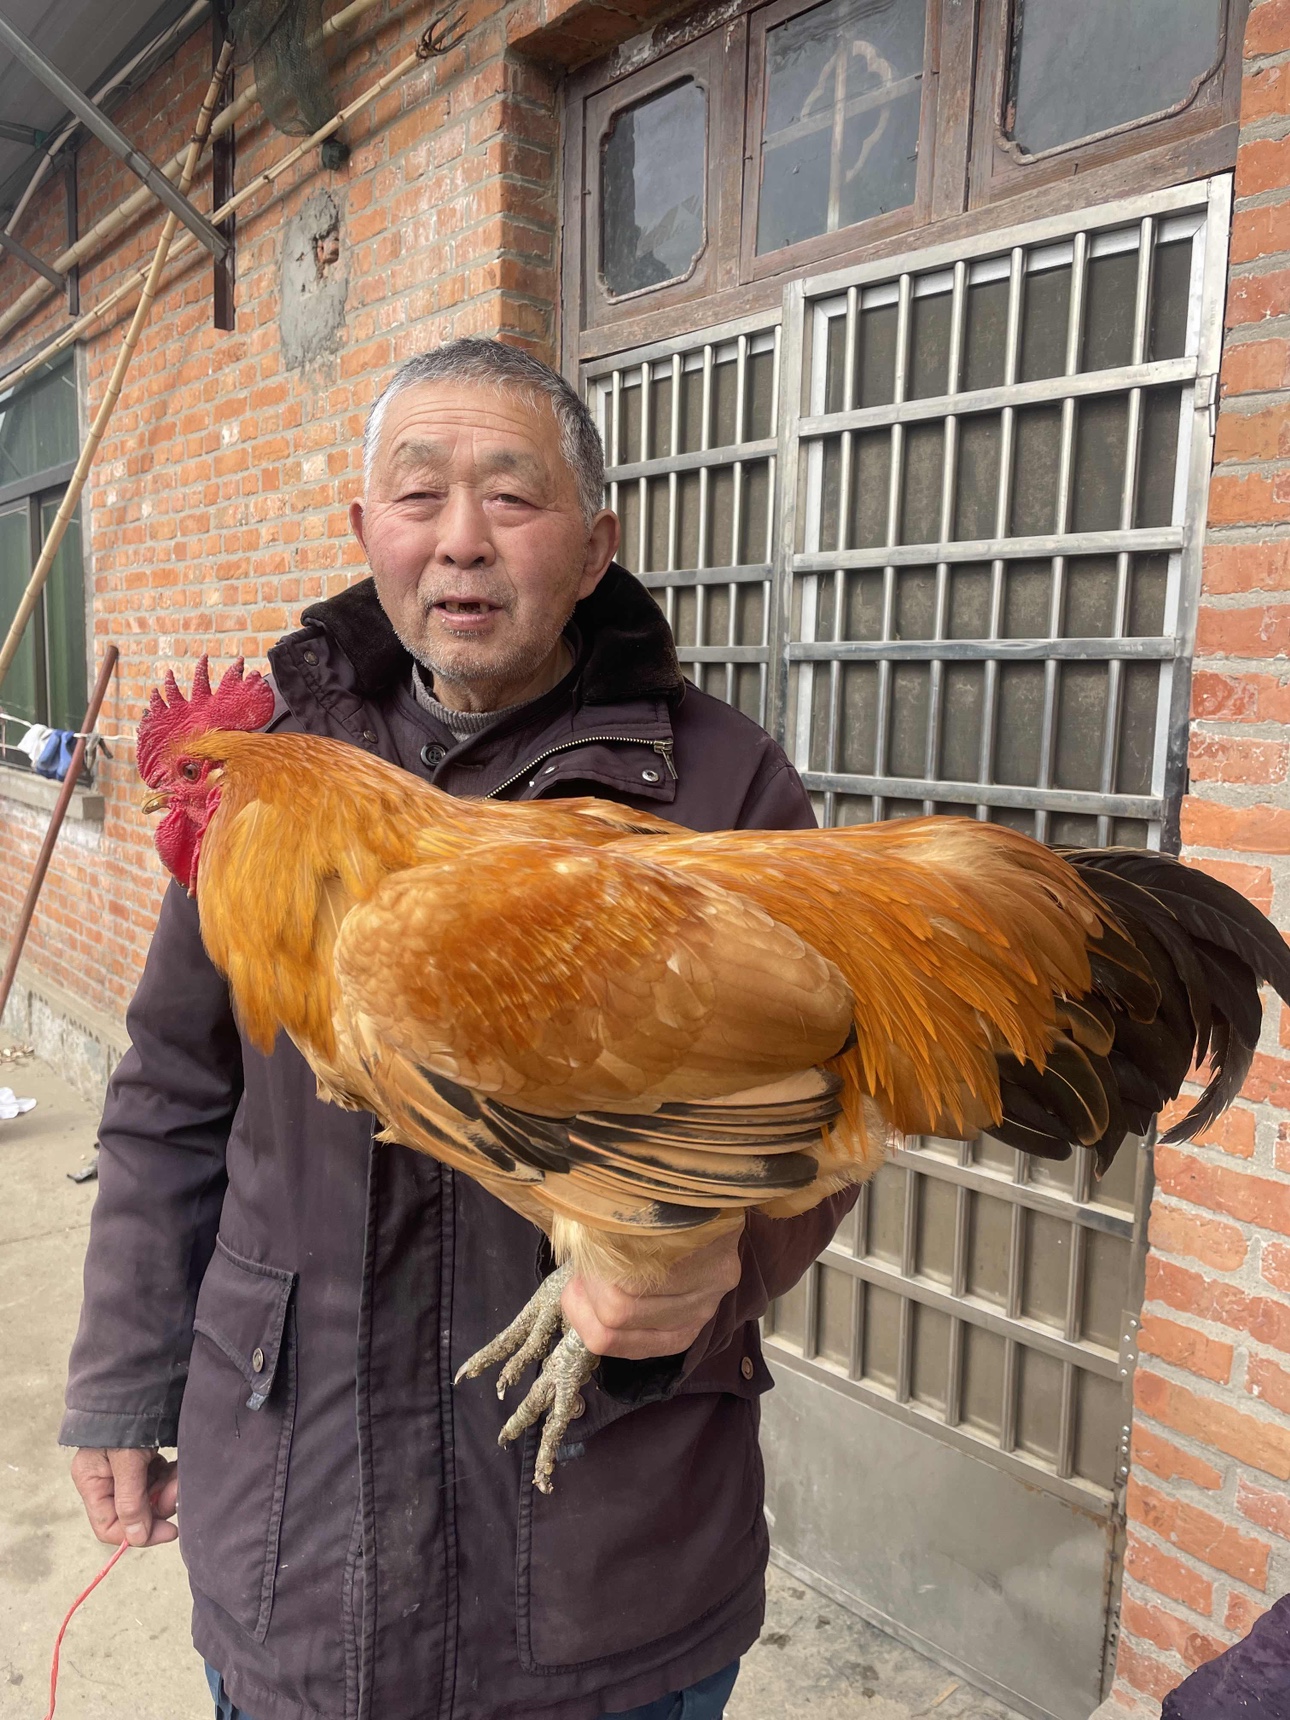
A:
[514,501]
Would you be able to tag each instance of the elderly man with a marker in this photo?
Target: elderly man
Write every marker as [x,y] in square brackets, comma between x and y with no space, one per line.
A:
[287,1298]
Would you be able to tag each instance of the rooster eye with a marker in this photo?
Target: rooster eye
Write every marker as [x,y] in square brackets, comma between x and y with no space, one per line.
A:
[190,770]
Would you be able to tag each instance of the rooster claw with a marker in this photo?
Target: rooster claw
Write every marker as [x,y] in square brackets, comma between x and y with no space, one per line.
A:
[557,1390]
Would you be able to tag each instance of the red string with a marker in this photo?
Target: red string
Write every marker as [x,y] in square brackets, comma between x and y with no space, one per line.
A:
[84,1595]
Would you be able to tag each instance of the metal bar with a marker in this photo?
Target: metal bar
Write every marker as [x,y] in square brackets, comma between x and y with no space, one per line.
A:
[976,1311]
[1142,539]
[96,121]
[71,197]
[719,653]
[1042,391]
[752,574]
[1033,234]
[17,249]
[1035,1197]
[985,794]
[46,854]
[1150,647]
[223,176]
[1030,1470]
[694,461]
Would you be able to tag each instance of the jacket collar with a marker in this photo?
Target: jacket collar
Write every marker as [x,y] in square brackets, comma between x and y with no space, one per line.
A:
[628,647]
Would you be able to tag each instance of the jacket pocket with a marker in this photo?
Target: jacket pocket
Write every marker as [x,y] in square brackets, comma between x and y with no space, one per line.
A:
[235,1435]
[654,1524]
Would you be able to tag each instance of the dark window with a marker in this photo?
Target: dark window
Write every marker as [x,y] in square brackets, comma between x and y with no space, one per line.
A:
[652,190]
[1144,58]
[38,443]
[840,127]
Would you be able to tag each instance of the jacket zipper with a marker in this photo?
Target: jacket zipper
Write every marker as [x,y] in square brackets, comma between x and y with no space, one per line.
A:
[662,748]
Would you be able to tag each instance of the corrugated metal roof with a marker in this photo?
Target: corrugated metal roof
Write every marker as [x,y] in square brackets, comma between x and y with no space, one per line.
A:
[91,42]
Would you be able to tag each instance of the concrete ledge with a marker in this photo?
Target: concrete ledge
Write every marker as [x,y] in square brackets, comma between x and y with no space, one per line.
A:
[87,805]
[83,1044]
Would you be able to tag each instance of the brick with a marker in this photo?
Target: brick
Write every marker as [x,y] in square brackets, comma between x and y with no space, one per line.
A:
[1267,30]
[1248,829]
[1265,1318]
[1263,231]
[1259,633]
[1240,567]
[1185,1347]
[1263,164]
[1242,1614]
[1250,1439]
[1178,1581]
[1144,1672]
[1268,1382]
[1231,759]
[1200,1534]
[1218,1188]
[1276,1265]
[1255,365]
[1155,1624]
[1268,1510]
[1170,1462]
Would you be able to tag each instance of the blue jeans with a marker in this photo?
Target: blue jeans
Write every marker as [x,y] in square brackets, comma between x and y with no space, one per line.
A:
[705,1700]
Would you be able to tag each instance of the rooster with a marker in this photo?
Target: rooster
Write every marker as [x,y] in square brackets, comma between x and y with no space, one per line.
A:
[632,1035]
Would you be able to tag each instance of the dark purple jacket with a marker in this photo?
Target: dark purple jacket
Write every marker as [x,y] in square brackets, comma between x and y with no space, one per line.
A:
[288,1299]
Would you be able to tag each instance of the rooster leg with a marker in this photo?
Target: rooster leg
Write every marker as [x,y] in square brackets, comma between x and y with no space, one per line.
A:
[564,1372]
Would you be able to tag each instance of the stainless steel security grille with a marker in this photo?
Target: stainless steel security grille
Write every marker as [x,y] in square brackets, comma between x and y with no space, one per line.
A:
[690,435]
[982,473]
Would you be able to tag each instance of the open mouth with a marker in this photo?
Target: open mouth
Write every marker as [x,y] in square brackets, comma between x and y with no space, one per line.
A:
[466,612]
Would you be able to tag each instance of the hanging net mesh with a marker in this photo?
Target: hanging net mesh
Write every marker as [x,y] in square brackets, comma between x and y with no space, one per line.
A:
[282,41]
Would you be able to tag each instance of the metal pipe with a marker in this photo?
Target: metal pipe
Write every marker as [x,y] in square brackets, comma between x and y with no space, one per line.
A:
[54,144]
[73,331]
[95,120]
[19,250]
[72,495]
[130,206]
[55,825]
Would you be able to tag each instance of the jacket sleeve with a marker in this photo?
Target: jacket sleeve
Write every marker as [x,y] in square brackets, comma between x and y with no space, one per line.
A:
[774,1252]
[170,1106]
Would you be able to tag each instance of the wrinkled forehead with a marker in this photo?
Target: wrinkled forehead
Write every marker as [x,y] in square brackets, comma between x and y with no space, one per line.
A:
[483,427]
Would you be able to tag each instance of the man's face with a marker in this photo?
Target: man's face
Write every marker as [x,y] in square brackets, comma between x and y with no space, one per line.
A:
[475,536]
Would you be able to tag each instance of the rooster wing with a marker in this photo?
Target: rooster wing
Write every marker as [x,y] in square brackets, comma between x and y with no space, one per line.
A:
[579,1030]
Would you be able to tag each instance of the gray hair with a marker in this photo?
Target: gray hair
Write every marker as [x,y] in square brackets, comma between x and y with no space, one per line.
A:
[492,363]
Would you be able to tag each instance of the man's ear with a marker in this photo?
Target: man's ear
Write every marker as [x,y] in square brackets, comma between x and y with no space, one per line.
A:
[356,523]
[602,547]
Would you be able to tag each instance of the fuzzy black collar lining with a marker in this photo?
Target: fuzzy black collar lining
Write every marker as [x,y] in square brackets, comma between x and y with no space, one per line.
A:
[630,653]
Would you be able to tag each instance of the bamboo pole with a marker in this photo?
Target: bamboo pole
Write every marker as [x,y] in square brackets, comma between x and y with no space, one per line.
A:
[186,243]
[56,824]
[67,507]
[124,211]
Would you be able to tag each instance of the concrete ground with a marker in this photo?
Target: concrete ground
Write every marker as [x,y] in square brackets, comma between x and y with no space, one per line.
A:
[127,1654]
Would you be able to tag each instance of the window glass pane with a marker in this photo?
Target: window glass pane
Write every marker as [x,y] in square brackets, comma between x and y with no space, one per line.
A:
[65,623]
[1082,69]
[38,426]
[19,693]
[840,134]
[652,176]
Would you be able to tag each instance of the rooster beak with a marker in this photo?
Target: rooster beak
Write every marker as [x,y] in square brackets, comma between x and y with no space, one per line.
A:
[156,802]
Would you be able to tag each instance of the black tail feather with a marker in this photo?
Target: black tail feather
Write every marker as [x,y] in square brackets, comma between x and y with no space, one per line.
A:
[1176,980]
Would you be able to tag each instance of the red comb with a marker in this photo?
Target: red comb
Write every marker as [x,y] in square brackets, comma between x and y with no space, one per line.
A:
[240,701]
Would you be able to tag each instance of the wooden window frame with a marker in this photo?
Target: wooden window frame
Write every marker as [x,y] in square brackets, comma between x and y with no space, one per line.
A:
[1184,142]
[823,247]
[969,180]
[34,492]
[703,63]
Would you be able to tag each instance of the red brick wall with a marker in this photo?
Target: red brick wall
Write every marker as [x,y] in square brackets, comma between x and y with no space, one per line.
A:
[1209,1495]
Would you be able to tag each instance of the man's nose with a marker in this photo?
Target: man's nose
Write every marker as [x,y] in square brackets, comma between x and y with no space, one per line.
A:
[464,537]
